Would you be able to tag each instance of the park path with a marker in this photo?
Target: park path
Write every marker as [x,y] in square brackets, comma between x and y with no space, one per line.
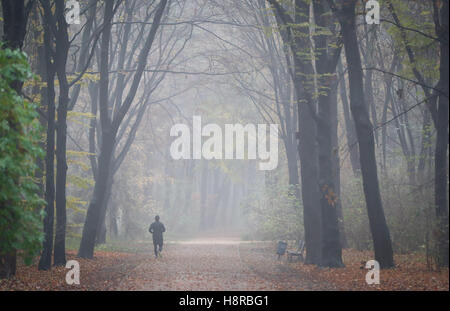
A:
[213,264]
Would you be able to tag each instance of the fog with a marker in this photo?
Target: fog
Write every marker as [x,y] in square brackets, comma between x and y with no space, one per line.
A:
[196,70]
[251,133]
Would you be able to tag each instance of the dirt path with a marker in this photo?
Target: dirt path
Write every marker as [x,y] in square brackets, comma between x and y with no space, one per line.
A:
[219,264]
[214,264]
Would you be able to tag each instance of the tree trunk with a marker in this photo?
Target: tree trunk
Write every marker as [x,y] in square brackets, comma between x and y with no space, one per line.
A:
[307,148]
[309,185]
[113,225]
[292,161]
[331,248]
[387,99]
[441,158]
[364,131]
[46,255]
[368,60]
[336,162]
[94,211]
[93,215]
[61,176]
[62,48]
[424,145]
[101,233]
[349,126]
[326,71]
[110,124]
[8,265]
[15,17]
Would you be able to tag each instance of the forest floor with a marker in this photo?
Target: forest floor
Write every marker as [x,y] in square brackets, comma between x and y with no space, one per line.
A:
[222,264]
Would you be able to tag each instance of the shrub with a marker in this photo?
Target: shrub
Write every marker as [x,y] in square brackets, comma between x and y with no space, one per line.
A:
[20,205]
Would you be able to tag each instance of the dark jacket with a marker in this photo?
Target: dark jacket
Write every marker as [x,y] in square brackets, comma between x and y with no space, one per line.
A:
[157,228]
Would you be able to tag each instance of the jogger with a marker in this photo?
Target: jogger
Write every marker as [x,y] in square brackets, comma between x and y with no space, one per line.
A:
[156,229]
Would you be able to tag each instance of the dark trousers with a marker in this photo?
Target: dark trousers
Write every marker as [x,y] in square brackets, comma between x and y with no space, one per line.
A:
[157,243]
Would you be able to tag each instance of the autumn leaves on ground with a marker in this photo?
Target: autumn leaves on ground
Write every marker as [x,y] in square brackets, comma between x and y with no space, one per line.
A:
[222,264]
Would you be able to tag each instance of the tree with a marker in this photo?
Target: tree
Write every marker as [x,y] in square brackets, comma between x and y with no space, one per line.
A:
[20,205]
[314,128]
[441,157]
[437,103]
[349,126]
[128,35]
[15,16]
[326,61]
[302,71]
[364,131]
[45,261]
[57,45]
[110,126]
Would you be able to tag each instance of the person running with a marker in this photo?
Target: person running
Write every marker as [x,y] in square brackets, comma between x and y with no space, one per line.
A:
[156,229]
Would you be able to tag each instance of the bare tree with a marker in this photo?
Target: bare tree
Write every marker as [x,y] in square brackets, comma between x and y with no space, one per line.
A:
[364,131]
[110,124]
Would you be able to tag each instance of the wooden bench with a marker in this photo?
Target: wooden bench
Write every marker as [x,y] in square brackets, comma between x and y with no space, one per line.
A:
[298,253]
